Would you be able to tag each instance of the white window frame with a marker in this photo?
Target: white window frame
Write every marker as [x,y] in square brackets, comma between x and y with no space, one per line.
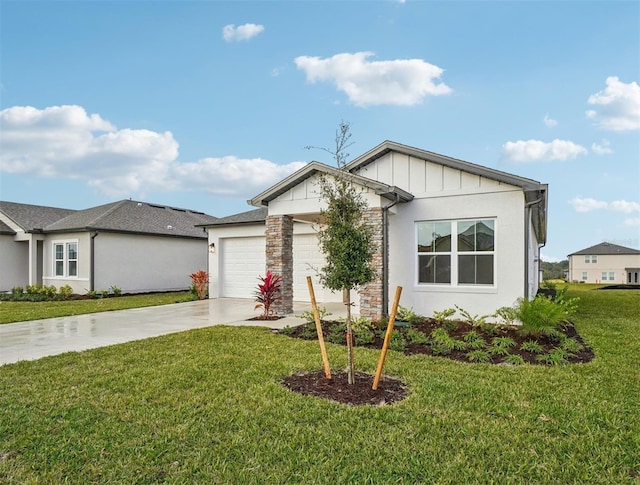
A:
[612,276]
[604,276]
[587,259]
[454,253]
[66,259]
[584,276]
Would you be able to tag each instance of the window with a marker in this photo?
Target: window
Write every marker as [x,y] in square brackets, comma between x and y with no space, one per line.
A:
[587,259]
[456,252]
[65,259]
[612,276]
[594,258]
[584,276]
[604,276]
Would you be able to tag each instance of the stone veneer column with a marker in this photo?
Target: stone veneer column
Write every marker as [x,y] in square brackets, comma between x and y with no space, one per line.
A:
[371,294]
[279,239]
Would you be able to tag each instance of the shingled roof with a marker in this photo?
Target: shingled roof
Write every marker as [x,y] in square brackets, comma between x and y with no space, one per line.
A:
[136,217]
[606,248]
[249,217]
[32,218]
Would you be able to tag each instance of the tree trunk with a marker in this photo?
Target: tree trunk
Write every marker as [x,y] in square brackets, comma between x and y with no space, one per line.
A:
[346,296]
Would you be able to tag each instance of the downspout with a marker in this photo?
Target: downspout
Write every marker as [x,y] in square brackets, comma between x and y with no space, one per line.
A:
[385,255]
[527,233]
[92,264]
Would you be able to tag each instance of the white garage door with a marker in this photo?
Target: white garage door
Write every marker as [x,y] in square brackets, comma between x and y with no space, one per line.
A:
[243,261]
[307,260]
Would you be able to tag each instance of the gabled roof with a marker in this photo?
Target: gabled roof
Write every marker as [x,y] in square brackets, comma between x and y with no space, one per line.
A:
[32,218]
[314,168]
[606,248]
[389,146]
[135,217]
[4,229]
[249,217]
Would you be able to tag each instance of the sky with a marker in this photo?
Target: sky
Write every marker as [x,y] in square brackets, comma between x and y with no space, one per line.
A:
[205,104]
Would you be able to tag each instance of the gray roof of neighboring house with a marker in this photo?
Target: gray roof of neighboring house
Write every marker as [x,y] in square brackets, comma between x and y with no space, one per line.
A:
[606,248]
[32,217]
[249,217]
[136,217]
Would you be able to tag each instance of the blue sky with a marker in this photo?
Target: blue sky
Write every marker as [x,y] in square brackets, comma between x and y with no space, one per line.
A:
[205,104]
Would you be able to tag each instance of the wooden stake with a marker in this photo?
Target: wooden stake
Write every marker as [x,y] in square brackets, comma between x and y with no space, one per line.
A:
[316,317]
[387,338]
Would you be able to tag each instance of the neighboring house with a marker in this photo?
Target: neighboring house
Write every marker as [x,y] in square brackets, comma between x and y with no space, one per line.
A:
[605,263]
[135,246]
[448,231]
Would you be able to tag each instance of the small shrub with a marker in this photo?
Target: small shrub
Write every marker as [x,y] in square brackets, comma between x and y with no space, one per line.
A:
[473,320]
[450,325]
[416,337]
[441,342]
[503,342]
[571,345]
[288,331]
[556,356]
[532,346]
[514,360]
[92,294]
[397,342]
[479,356]
[337,334]
[539,316]
[115,291]
[363,336]
[309,332]
[268,292]
[17,291]
[308,314]
[474,340]
[506,315]
[200,283]
[65,291]
[443,316]
[496,350]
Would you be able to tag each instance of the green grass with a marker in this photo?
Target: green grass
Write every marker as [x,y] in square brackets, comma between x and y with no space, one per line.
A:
[206,406]
[20,311]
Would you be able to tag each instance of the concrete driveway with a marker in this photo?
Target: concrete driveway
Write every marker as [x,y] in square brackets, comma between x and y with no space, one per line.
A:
[40,338]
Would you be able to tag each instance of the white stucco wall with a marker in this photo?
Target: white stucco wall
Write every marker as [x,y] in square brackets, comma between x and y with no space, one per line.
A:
[14,263]
[140,263]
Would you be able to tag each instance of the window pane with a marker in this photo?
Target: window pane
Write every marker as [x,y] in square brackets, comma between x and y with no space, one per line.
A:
[475,235]
[612,276]
[73,250]
[434,269]
[604,276]
[73,268]
[475,269]
[434,237]
[59,268]
[59,251]
[594,259]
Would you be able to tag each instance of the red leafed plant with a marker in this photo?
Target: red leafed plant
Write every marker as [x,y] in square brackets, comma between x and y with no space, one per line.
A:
[199,281]
[268,292]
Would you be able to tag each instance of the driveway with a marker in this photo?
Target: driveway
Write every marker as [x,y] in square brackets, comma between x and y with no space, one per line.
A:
[40,338]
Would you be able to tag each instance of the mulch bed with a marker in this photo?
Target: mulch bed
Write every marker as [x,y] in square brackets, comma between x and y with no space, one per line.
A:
[338,389]
[392,390]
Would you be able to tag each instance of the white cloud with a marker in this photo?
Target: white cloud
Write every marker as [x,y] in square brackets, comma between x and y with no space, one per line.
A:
[403,82]
[588,205]
[232,33]
[66,142]
[625,206]
[603,148]
[535,150]
[549,122]
[632,222]
[549,259]
[617,107]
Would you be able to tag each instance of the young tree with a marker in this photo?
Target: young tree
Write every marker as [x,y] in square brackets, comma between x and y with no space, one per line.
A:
[345,239]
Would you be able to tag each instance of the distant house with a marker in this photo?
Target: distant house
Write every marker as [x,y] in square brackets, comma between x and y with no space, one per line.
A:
[605,263]
[448,231]
[136,246]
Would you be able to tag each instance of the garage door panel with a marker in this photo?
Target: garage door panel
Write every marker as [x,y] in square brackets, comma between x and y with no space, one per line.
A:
[243,261]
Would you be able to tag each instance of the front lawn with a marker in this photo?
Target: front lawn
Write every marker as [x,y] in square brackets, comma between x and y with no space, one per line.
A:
[20,311]
[208,406]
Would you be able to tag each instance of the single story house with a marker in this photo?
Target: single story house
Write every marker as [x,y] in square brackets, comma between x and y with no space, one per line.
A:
[449,232]
[605,263]
[135,246]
